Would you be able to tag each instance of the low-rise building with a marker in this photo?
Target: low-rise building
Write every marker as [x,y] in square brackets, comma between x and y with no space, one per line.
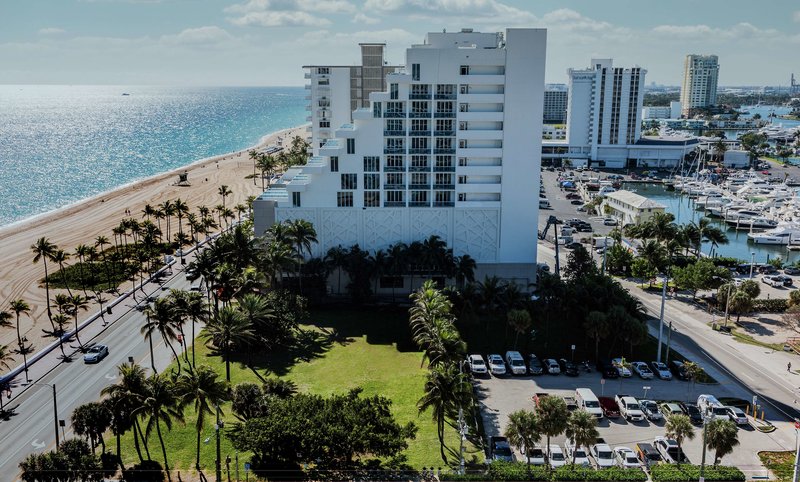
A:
[630,208]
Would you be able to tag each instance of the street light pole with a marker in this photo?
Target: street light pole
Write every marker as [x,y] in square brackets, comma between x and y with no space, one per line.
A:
[727,303]
[218,426]
[669,337]
[703,459]
[55,408]
[752,263]
[661,318]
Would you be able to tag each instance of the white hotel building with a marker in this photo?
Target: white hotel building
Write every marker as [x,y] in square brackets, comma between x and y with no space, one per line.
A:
[448,149]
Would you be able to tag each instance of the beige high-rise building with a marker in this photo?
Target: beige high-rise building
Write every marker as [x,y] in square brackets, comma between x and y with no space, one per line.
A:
[699,88]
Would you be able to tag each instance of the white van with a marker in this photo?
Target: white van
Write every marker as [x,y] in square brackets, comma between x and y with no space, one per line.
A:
[544,203]
[516,363]
[588,401]
[709,405]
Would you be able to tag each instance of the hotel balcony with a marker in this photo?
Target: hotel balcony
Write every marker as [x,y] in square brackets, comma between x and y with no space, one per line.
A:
[449,187]
[452,96]
[419,115]
[419,204]
[425,168]
[444,168]
[493,98]
[444,204]
[394,187]
[394,150]
[394,204]
[419,187]
[394,133]
[420,133]
[482,79]
[308,118]
[445,115]
[388,168]
[394,115]
[308,86]
[444,150]
[419,150]
[481,116]
[307,75]
[444,133]
[426,96]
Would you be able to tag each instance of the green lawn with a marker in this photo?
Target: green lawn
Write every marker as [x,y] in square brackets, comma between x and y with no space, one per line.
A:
[342,350]
[781,464]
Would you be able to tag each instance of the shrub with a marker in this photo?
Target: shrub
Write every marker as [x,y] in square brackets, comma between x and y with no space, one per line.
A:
[770,305]
[147,471]
[727,262]
[686,473]
[499,470]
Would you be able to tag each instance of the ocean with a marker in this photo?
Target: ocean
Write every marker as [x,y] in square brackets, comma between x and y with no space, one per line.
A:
[62,144]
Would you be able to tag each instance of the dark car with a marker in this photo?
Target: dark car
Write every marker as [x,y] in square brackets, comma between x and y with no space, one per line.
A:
[499,449]
[573,195]
[573,245]
[609,407]
[534,365]
[691,411]
[648,454]
[787,281]
[791,270]
[678,368]
[767,269]
[584,228]
[569,368]
[576,202]
[606,369]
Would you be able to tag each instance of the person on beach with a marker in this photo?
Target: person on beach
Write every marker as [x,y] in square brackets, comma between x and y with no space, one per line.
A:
[789,367]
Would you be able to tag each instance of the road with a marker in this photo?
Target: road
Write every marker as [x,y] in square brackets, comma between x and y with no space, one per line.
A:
[31,428]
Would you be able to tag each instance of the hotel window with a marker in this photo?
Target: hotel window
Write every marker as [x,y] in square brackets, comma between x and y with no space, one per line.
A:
[462,196]
[419,107]
[419,197]
[395,179]
[351,146]
[371,163]
[419,143]
[324,124]
[334,163]
[419,178]
[376,109]
[395,196]
[344,199]
[414,71]
[394,125]
[444,125]
[394,162]
[419,161]
[464,70]
[442,179]
[419,125]
[323,70]
[444,161]
[445,142]
[444,107]
[393,91]
[443,196]
[296,199]
[372,199]
[462,179]
[349,181]
[372,181]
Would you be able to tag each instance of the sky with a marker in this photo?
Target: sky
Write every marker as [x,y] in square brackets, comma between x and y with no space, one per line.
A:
[266,42]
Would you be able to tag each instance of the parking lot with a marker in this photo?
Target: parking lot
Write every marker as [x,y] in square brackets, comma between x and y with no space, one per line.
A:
[499,396]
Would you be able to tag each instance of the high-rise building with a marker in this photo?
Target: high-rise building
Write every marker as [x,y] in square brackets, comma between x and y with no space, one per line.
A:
[555,105]
[335,91]
[699,88]
[446,149]
[604,106]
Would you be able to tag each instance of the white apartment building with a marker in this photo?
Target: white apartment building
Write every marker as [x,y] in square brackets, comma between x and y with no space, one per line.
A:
[445,150]
[555,106]
[671,111]
[699,87]
[631,208]
[335,91]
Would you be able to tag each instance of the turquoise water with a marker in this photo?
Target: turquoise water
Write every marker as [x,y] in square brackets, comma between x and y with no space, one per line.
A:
[737,247]
[62,144]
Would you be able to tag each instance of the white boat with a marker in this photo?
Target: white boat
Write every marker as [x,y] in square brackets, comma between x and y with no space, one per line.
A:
[748,224]
[784,234]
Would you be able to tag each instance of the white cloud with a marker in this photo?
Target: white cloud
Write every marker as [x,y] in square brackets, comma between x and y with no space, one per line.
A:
[475,11]
[796,16]
[365,19]
[51,31]
[287,13]
[201,35]
[739,31]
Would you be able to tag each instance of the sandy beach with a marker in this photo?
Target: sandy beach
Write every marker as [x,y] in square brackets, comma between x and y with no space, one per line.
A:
[83,222]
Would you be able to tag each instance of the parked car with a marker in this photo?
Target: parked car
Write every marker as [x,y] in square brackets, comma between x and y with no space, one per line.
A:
[556,456]
[691,411]
[516,363]
[610,222]
[576,455]
[622,370]
[648,455]
[534,455]
[736,415]
[629,408]
[642,370]
[603,455]
[552,366]
[571,403]
[669,450]
[573,195]
[568,368]
[534,365]
[477,365]
[573,245]
[95,353]
[499,449]
[791,270]
[584,228]
[650,410]
[661,370]
[626,458]
[496,364]
[773,281]
[670,409]
[678,369]
[785,280]
[606,369]
[576,202]
[609,407]
[710,406]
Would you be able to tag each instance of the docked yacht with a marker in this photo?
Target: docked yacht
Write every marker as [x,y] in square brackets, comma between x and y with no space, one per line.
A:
[784,234]
[750,223]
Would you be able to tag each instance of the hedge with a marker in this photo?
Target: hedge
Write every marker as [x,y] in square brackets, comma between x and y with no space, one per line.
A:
[519,471]
[687,473]
[773,305]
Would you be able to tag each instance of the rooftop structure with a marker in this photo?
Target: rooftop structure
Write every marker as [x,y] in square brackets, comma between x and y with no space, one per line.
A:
[699,87]
[631,208]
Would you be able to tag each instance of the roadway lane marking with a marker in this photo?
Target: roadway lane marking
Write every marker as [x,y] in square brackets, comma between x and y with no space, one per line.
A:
[110,377]
[38,445]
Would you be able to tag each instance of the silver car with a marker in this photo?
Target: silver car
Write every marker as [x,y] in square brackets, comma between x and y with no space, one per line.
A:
[95,354]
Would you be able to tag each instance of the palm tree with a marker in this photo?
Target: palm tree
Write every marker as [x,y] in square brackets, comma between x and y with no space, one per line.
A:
[181,210]
[522,431]
[5,319]
[709,232]
[519,321]
[192,305]
[465,270]
[553,417]
[301,235]
[679,428]
[43,250]
[582,430]
[224,191]
[334,258]
[432,327]
[653,253]
[61,257]
[159,404]
[18,307]
[60,320]
[160,317]
[446,390]
[91,420]
[5,357]
[721,437]
[126,396]
[168,208]
[226,331]
[720,147]
[76,304]
[99,243]
[202,389]
[276,257]
[82,251]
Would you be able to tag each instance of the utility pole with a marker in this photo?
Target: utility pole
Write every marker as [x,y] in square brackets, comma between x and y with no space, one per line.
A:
[55,414]
[669,337]
[703,459]
[796,473]
[218,427]
[661,318]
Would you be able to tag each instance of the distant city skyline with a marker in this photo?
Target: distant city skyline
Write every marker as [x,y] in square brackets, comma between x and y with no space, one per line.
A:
[266,42]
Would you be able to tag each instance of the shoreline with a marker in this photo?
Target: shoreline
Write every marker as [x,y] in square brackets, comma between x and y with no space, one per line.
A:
[82,222]
[38,219]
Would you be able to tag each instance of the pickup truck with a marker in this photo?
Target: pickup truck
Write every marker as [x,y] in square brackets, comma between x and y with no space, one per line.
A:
[629,408]
[572,404]
[609,407]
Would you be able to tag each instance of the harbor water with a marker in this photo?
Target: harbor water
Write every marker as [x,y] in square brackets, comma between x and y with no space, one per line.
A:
[738,245]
